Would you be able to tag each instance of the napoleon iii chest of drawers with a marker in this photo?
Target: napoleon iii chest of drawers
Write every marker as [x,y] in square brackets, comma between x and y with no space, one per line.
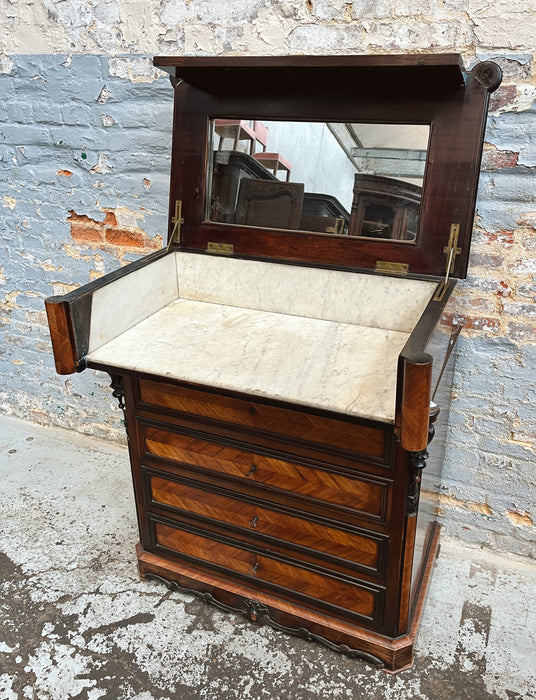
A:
[281,386]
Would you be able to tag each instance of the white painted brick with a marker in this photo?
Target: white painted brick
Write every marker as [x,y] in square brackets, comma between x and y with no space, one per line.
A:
[326,10]
[319,39]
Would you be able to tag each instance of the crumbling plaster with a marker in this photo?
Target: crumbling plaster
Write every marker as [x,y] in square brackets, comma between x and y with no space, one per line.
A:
[264,26]
[84,142]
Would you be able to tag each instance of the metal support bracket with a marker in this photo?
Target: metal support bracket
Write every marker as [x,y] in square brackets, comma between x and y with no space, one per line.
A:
[451,250]
[177,220]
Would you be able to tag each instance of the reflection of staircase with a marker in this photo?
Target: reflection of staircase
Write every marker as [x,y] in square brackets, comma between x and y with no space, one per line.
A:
[240,130]
[274,162]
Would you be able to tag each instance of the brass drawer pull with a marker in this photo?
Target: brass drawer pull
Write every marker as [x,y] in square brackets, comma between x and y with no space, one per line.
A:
[253,523]
[254,570]
[253,468]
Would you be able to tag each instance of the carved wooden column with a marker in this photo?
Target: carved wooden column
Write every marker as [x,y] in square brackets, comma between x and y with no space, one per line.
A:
[417,462]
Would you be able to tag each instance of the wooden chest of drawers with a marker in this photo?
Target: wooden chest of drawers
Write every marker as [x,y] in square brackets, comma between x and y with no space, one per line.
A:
[277,382]
[276,513]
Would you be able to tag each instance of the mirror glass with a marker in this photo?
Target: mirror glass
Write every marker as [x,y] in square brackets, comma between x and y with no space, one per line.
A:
[333,178]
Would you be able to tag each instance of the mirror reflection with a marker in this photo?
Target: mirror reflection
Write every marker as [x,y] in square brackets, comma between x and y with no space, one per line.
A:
[335,178]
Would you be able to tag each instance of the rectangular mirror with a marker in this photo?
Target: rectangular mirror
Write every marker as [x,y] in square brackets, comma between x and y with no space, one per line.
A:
[348,179]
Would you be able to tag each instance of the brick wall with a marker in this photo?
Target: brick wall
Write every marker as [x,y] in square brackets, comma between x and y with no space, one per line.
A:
[84,153]
[85,158]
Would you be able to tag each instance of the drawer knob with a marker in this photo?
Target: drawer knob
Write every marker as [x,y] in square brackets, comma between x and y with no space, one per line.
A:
[253,410]
[254,570]
[252,469]
[254,521]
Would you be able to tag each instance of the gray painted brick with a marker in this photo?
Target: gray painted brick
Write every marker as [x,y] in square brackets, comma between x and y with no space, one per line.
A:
[52,109]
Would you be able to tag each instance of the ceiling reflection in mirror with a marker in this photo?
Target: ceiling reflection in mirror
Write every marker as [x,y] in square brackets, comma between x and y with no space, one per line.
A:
[334,178]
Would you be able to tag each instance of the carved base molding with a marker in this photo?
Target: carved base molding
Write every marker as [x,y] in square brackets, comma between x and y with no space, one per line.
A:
[390,654]
[260,613]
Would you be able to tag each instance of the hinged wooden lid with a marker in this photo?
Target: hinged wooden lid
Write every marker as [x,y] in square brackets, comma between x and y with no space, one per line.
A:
[431,90]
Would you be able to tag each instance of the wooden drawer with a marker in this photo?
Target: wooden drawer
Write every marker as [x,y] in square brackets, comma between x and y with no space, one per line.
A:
[366,551]
[292,581]
[286,423]
[366,496]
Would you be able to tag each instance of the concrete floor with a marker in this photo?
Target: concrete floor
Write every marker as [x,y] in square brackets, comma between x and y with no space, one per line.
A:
[76,622]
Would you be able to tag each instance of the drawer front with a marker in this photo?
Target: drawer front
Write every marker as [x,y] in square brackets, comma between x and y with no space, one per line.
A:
[305,427]
[353,548]
[367,497]
[357,598]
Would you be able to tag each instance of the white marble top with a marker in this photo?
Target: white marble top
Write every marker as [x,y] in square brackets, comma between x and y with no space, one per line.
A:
[332,365]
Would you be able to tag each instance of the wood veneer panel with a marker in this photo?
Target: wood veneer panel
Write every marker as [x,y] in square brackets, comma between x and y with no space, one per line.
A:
[304,426]
[417,384]
[265,521]
[366,497]
[61,335]
[352,597]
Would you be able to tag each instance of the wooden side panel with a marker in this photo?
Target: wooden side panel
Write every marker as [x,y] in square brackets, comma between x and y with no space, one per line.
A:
[61,334]
[345,435]
[407,565]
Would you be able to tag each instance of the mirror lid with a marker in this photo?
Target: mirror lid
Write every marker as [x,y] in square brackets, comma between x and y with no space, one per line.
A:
[421,89]
[223,75]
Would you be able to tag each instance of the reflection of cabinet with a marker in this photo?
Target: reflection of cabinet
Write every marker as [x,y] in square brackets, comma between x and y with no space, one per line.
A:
[268,203]
[385,208]
[230,168]
[323,213]
[275,204]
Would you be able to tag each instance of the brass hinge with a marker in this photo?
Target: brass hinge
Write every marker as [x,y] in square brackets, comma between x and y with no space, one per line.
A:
[391,268]
[451,250]
[177,220]
[221,248]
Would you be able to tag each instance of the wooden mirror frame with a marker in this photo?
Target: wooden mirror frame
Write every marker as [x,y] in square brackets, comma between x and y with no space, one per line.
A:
[432,90]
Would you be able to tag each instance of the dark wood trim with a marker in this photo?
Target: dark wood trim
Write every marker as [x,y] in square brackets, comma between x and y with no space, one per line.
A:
[220,74]
[136,449]
[305,263]
[396,531]
[405,578]
[223,63]
[236,89]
